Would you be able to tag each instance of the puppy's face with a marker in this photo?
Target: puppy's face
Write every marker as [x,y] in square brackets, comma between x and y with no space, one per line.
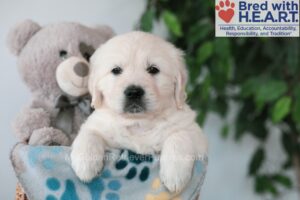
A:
[137,74]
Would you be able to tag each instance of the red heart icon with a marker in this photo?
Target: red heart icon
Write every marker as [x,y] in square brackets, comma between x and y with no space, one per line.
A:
[226,15]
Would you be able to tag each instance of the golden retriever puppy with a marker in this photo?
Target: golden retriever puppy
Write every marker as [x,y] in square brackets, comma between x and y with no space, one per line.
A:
[137,83]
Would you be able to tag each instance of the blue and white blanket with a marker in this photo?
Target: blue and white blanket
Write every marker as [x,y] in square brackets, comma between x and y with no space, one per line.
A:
[45,174]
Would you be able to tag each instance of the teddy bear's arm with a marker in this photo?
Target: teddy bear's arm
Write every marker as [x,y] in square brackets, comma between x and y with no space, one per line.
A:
[33,125]
[28,120]
[49,136]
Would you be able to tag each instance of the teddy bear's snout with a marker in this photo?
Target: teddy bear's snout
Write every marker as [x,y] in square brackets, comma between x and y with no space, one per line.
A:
[81,69]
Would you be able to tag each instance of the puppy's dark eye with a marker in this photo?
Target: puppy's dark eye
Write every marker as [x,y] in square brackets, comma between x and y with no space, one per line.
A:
[152,69]
[87,56]
[63,54]
[116,70]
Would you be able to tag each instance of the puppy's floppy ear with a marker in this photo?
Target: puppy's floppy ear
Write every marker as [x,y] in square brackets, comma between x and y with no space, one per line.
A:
[180,82]
[97,96]
[180,94]
[97,99]
[20,35]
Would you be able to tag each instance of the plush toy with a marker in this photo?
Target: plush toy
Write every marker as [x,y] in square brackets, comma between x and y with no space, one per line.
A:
[53,62]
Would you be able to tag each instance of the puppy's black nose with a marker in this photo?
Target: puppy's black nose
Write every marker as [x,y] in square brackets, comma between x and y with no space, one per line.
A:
[81,69]
[134,92]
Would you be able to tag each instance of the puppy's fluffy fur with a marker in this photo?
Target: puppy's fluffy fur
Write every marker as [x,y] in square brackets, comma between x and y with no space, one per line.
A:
[166,126]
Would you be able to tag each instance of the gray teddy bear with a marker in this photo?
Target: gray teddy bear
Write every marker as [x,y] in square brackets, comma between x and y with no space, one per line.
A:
[53,62]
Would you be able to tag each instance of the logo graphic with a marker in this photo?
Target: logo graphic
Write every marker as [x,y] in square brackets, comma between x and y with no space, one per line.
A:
[257,18]
[225,10]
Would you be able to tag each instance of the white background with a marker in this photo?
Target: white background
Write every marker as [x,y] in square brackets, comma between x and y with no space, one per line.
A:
[227,173]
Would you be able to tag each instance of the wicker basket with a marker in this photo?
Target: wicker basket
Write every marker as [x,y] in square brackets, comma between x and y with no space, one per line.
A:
[20,194]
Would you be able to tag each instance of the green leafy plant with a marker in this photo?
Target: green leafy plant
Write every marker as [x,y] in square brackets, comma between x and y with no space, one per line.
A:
[262,75]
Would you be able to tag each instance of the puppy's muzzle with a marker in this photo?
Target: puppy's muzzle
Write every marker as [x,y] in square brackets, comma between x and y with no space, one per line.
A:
[134,99]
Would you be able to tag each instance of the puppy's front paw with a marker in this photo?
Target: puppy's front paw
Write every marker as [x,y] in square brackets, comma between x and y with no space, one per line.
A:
[86,165]
[175,173]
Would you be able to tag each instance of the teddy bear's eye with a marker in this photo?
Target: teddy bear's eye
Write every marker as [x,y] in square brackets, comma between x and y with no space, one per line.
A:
[117,70]
[63,54]
[152,69]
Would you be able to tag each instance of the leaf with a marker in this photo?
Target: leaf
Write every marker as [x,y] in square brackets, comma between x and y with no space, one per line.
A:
[256,161]
[290,149]
[264,184]
[296,111]
[296,106]
[225,131]
[172,23]
[283,180]
[147,20]
[281,109]
[271,49]
[249,87]
[204,52]
[201,117]
[222,48]
[296,91]
[241,41]
[205,89]
[194,69]
[221,71]
[293,55]
[247,122]
[287,164]
[287,144]
[219,105]
[199,31]
[258,128]
[269,91]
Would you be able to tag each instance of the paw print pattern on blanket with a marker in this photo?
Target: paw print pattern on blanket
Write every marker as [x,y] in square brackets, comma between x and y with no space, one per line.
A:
[47,175]
[53,184]
[102,187]
[33,156]
[97,188]
[131,159]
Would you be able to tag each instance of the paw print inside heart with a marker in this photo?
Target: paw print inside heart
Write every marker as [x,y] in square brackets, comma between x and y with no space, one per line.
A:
[131,161]
[225,10]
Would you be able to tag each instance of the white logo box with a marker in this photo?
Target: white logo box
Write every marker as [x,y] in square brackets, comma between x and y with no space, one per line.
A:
[257,18]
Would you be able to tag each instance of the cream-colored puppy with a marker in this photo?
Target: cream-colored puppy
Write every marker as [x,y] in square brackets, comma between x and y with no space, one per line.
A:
[137,83]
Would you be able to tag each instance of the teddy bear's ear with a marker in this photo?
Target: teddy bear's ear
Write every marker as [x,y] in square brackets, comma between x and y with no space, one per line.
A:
[106,31]
[20,35]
